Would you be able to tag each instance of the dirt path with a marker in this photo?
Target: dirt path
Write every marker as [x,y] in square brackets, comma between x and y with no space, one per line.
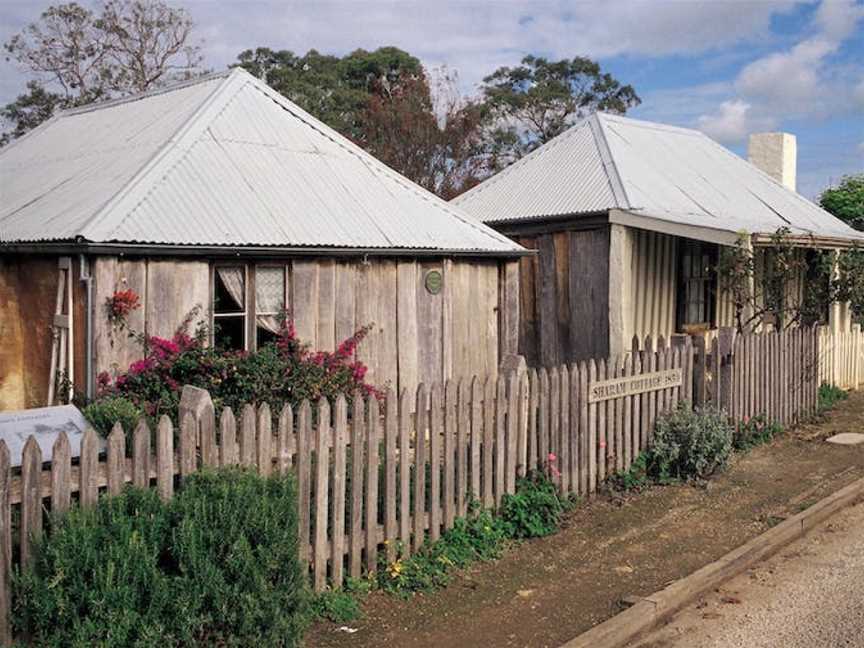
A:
[544,592]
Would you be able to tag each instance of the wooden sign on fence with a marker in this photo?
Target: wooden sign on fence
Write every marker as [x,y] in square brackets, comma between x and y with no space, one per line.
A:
[604,390]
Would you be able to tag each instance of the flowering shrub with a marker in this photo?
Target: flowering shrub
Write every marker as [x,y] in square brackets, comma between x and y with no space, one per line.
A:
[120,304]
[285,371]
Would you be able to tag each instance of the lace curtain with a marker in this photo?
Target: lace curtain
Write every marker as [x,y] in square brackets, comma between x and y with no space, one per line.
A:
[269,297]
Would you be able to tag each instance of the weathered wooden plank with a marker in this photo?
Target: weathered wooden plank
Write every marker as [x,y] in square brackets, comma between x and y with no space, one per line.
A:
[620,405]
[391,500]
[627,429]
[61,474]
[386,320]
[304,303]
[550,347]
[589,293]
[340,437]
[592,436]
[422,415]
[449,468]
[228,450]
[187,437]
[533,405]
[602,447]
[511,440]
[554,456]
[476,435]
[429,329]
[500,439]
[89,467]
[264,441]
[31,500]
[405,469]
[510,308]
[141,455]
[164,459]
[463,425]
[116,460]
[358,441]
[524,418]
[247,436]
[651,396]
[207,431]
[543,420]
[489,409]
[564,444]
[636,418]
[285,442]
[304,477]
[584,435]
[322,504]
[406,324]
[441,424]
[6,546]
[448,335]
[326,320]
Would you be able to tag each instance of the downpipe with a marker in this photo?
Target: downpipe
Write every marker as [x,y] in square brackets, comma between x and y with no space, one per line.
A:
[87,278]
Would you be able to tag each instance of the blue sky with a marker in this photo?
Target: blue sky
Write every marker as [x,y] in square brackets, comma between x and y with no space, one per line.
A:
[726,67]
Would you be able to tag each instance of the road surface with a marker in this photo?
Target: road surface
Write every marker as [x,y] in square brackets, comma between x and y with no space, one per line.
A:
[810,595]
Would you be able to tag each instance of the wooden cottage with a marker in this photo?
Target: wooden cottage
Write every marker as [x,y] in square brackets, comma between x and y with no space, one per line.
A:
[223,195]
[628,217]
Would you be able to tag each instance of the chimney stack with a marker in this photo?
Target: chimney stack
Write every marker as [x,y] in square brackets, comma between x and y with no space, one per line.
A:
[776,154]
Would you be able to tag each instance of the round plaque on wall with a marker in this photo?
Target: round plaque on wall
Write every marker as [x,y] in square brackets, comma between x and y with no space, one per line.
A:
[434,281]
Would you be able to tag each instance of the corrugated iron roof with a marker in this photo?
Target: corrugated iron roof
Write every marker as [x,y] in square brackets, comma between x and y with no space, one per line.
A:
[672,174]
[222,161]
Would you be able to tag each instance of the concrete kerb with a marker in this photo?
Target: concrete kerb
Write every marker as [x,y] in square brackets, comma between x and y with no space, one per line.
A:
[650,612]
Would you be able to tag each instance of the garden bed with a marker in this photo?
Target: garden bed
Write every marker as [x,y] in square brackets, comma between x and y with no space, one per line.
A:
[545,592]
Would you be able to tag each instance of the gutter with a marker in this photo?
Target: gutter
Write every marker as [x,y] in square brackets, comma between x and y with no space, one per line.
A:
[149,249]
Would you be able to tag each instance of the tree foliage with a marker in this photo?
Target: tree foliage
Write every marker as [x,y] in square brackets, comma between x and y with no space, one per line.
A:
[336,90]
[427,132]
[846,200]
[539,99]
[78,56]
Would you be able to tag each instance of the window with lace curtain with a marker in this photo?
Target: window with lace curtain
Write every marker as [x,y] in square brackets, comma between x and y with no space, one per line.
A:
[229,307]
[269,302]
[241,293]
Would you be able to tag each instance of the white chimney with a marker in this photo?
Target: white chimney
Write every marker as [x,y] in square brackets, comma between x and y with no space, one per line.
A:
[776,154]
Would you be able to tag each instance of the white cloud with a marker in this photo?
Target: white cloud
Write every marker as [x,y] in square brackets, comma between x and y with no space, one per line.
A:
[799,82]
[733,122]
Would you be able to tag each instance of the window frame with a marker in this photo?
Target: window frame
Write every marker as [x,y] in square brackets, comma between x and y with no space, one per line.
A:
[686,278]
[250,312]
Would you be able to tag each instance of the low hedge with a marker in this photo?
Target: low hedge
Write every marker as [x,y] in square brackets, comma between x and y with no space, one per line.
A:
[218,565]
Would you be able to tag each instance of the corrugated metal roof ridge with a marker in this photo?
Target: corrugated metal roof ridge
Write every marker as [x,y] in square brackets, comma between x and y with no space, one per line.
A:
[597,124]
[375,164]
[759,171]
[153,166]
[490,182]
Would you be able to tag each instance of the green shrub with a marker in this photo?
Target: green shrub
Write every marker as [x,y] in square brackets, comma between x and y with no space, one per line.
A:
[104,413]
[755,431]
[636,477]
[99,580]
[690,444]
[534,510]
[829,396]
[339,606]
[235,544]
[218,565]
[479,536]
